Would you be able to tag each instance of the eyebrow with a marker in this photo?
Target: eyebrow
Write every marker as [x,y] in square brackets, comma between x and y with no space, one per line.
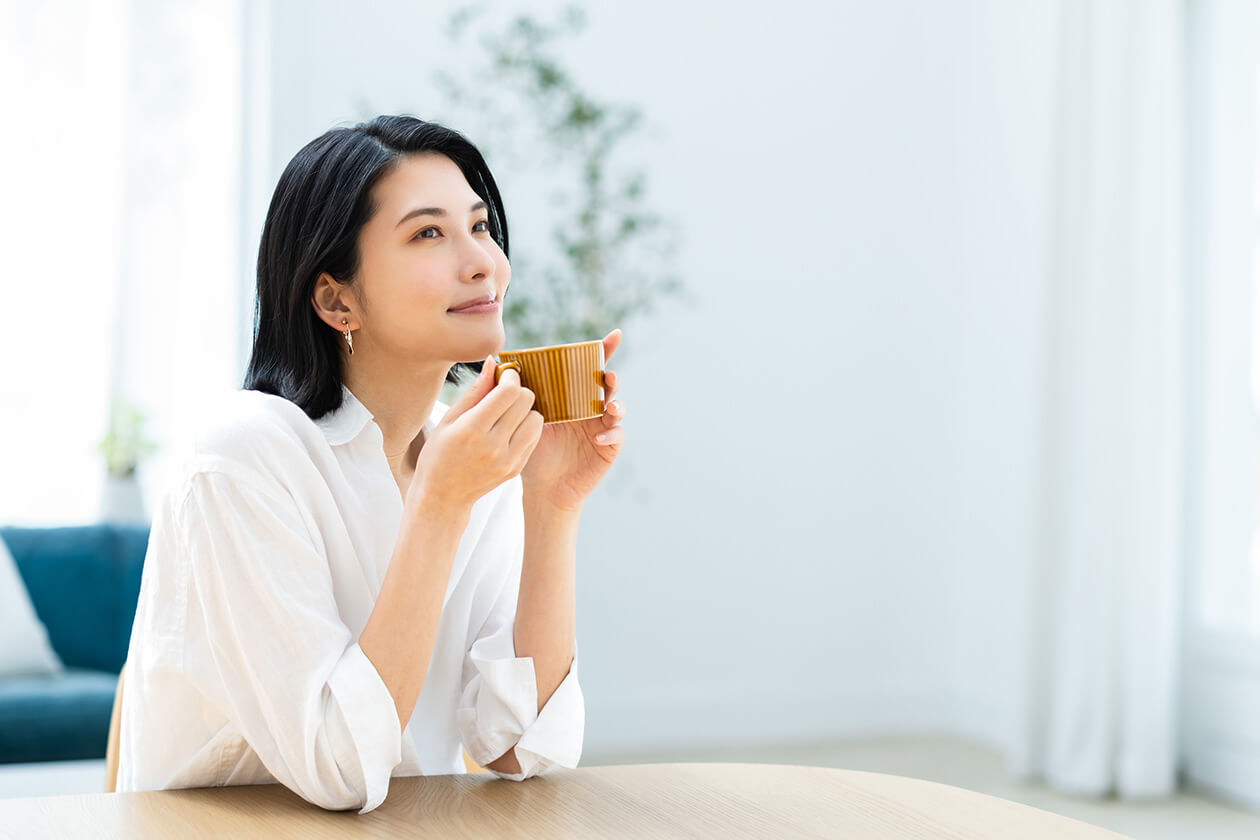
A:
[436,211]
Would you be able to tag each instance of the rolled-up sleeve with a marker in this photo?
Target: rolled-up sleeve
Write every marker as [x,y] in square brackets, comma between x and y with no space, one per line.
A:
[266,641]
[498,707]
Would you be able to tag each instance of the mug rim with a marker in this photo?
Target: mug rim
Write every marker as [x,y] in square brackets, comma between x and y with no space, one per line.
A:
[552,346]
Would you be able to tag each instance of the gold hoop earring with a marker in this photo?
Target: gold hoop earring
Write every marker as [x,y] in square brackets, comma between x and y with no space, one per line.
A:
[349,340]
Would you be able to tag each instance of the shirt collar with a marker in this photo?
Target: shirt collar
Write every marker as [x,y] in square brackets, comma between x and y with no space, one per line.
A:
[346,422]
[343,424]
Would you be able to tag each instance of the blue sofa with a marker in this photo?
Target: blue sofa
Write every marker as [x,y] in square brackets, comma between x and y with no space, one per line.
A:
[84,582]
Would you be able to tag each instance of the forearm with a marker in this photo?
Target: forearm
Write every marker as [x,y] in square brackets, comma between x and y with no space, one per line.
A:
[545,625]
[546,603]
[399,635]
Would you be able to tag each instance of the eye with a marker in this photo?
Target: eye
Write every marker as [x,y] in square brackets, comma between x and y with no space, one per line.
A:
[423,234]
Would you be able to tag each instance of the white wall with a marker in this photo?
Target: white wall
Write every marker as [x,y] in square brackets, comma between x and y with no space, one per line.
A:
[829,486]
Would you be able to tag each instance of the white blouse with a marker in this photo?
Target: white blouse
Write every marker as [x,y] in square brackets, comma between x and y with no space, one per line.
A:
[263,565]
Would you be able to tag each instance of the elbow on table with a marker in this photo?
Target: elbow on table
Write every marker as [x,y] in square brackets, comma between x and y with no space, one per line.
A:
[337,786]
[334,799]
[344,759]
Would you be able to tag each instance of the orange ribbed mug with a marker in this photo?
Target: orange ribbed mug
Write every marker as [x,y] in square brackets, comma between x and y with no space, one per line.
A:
[567,379]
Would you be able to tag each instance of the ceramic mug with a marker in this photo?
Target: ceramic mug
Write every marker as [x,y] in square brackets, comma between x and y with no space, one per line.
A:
[567,379]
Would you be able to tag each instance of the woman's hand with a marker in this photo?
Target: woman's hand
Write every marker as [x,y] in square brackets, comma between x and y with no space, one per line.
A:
[484,439]
[571,458]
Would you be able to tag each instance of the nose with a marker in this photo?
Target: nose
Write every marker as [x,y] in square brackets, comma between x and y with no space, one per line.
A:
[478,262]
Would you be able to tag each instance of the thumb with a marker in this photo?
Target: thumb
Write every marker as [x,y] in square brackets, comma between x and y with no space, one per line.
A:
[480,386]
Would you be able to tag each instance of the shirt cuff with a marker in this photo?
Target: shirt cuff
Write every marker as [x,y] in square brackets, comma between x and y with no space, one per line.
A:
[371,723]
[499,710]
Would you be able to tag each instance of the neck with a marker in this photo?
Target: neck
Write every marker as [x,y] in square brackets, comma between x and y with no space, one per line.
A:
[401,404]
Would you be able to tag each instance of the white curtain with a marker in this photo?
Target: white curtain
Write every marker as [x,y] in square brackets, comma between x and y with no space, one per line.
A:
[1098,709]
[62,101]
[122,208]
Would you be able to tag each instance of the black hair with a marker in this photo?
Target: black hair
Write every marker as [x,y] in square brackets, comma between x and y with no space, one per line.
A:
[320,205]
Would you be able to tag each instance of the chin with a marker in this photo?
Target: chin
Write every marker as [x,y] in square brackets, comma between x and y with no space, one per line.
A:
[477,352]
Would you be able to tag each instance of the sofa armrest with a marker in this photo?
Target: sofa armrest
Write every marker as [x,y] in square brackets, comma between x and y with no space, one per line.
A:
[84,582]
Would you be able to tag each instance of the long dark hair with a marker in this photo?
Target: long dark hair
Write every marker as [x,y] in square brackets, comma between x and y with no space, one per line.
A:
[321,203]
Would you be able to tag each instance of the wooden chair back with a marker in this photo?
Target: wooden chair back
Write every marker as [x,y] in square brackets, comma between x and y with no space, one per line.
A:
[111,746]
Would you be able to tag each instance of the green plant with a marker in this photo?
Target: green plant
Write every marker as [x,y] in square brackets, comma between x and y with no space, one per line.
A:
[611,257]
[124,444]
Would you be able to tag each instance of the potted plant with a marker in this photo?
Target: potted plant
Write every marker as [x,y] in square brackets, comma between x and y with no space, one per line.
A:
[124,446]
[609,258]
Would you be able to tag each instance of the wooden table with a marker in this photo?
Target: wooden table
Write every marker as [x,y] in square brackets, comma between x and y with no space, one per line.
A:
[645,800]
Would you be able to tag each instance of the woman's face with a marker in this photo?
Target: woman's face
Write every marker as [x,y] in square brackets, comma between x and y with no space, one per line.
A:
[417,267]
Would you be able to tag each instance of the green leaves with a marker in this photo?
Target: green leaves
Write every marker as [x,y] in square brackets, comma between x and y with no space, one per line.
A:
[124,444]
[609,257]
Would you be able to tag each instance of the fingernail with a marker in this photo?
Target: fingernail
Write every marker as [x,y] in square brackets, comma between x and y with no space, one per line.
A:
[601,437]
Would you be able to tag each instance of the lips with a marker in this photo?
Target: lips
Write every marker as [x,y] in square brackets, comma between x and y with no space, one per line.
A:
[477,301]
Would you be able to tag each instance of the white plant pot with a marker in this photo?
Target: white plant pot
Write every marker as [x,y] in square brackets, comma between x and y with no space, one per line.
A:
[122,500]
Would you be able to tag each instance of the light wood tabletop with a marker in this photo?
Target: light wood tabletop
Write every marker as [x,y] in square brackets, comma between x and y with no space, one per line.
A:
[643,800]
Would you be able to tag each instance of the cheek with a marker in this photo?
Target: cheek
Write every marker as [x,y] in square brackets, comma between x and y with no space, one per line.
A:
[502,270]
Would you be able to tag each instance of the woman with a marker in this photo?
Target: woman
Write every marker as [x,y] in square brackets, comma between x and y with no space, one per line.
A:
[352,581]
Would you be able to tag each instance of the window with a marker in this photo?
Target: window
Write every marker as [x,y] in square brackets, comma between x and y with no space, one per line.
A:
[1221,619]
[1250,617]
[122,177]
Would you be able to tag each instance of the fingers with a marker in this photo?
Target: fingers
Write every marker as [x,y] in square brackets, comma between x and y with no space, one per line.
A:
[611,437]
[611,342]
[614,413]
[526,437]
[481,386]
[487,413]
[506,425]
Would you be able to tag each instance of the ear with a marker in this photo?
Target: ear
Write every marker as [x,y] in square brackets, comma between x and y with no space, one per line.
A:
[334,302]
